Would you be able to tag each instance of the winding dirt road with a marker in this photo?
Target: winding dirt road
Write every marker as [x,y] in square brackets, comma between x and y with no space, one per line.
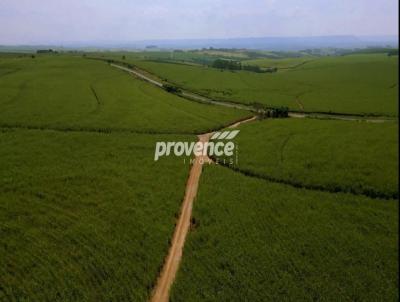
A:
[171,264]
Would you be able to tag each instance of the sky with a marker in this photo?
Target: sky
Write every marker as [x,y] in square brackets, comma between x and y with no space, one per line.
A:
[72,21]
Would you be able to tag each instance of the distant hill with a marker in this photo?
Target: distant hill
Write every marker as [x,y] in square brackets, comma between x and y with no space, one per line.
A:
[276,43]
[261,43]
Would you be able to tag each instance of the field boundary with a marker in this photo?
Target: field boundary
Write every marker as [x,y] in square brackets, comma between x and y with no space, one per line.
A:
[6,126]
[298,185]
[10,127]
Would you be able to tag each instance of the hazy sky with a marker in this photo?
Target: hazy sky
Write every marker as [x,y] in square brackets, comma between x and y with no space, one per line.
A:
[60,21]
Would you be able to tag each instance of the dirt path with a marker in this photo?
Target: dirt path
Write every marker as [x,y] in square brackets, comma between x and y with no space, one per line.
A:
[171,264]
[196,97]
[168,273]
[242,122]
[138,74]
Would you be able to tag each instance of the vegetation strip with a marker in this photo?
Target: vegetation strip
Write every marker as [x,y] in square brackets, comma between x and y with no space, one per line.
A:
[95,130]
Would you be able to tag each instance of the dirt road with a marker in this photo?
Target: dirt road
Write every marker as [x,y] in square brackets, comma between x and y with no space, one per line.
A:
[203,99]
[171,264]
[168,273]
[138,74]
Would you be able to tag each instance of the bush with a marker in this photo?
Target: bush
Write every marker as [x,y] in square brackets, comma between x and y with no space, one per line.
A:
[264,111]
[171,88]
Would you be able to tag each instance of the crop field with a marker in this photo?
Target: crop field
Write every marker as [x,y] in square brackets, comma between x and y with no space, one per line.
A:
[67,92]
[309,212]
[200,57]
[285,63]
[252,240]
[354,84]
[186,57]
[338,156]
[82,216]
[176,56]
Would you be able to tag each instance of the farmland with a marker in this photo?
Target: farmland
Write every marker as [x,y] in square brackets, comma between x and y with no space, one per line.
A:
[82,213]
[65,92]
[354,84]
[257,241]
[280,63]
[357,157]
[200,57]
[308,213]
[82,216]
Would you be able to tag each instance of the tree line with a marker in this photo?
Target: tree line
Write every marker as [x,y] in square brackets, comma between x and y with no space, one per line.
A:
[237,65]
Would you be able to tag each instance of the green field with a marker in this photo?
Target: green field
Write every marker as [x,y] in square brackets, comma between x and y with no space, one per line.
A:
[74,93]
[173,56]
[86,214]
[180,57]
[83,216]
[257,241]
[338,156]
[280,63]
[356,84]
[199,57]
